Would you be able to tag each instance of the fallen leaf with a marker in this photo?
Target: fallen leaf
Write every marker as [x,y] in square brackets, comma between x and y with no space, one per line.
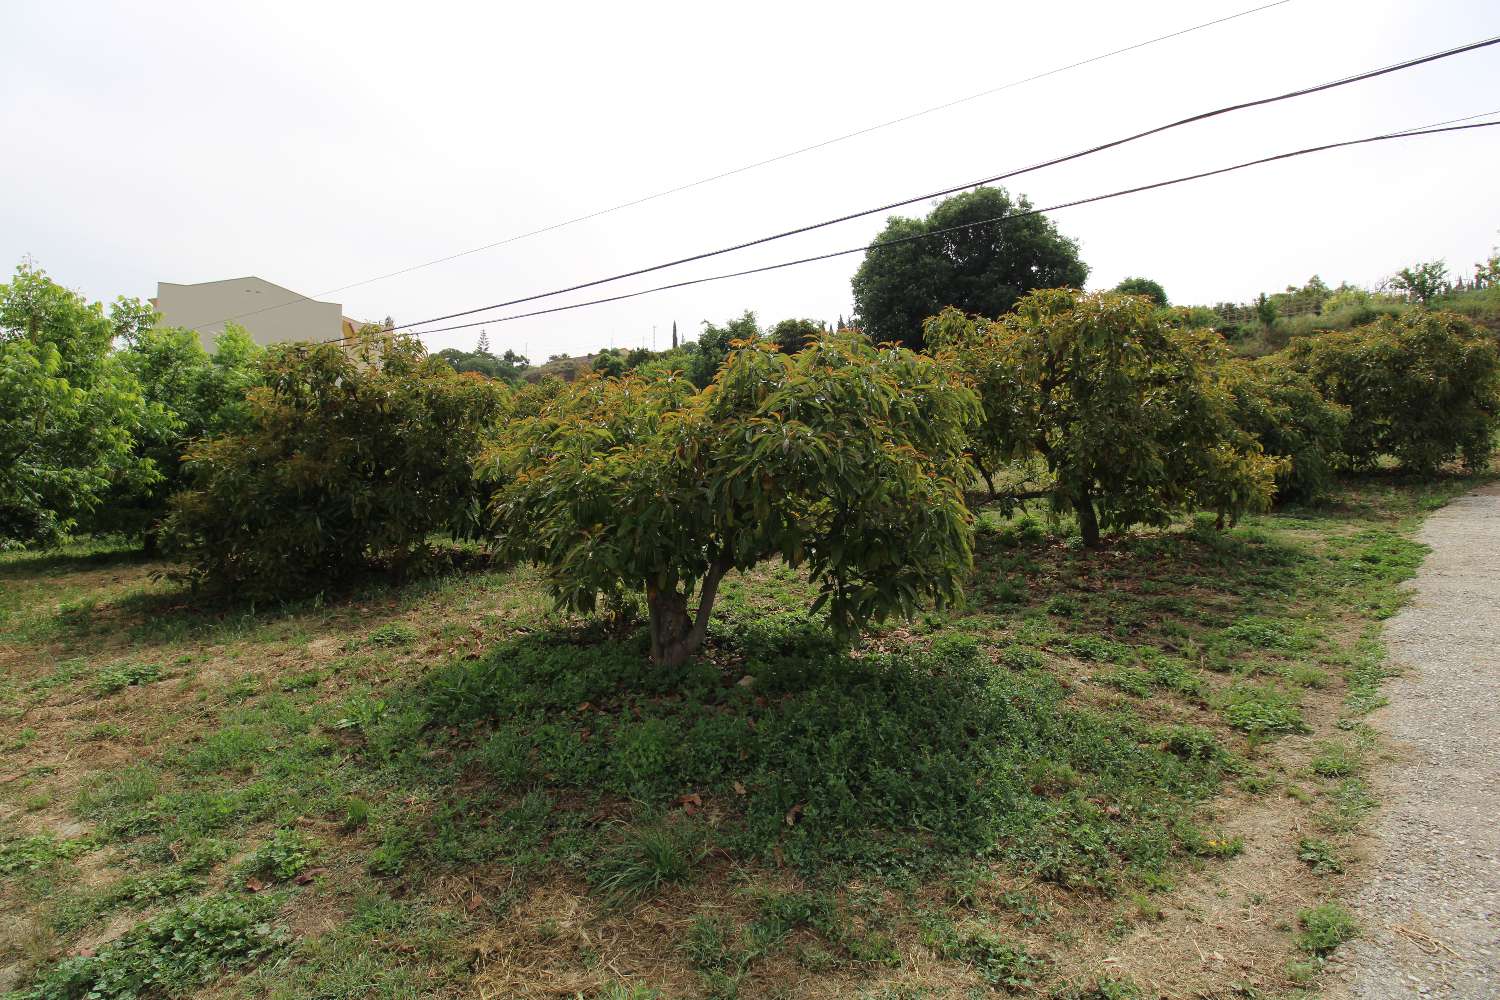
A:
[254,884]
[474,902]
[793,814]
[739,788]
[305,877]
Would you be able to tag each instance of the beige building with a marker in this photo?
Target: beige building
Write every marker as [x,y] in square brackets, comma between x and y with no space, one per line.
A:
[270,313]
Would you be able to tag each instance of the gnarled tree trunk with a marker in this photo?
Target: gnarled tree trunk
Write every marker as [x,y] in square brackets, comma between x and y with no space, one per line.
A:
[676,635]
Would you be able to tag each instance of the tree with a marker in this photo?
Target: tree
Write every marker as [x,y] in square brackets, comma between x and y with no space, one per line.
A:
[845,458]
[1422,282]
[509,367]
[69,409]
[1144,286]
[483,345]
[714,344]
[1119,402]
[1265,311]
[1287,414]
[1424,388]
[791,335]
[674,335]
[981,269]
[197,394]
[344,465]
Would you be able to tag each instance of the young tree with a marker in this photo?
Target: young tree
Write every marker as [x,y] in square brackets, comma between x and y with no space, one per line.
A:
[69,409]
[1119,402]
[1422,282]
[1424,388]
[844,457]
[344,464]
[483,345]
[981,269]
[1144,286]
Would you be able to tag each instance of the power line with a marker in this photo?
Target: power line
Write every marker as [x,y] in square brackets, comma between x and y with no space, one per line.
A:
[1407,134]
[667,192]
[1192,119]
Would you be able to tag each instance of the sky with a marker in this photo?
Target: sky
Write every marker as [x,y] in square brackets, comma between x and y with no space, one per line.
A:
[321,144]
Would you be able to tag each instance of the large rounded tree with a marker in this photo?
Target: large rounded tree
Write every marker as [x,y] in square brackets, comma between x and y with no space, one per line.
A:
[844,458]
[980,269]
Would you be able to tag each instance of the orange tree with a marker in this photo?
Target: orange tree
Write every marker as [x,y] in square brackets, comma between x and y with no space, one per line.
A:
[1424,389]
[844,457]
[1125,407]
[346,459]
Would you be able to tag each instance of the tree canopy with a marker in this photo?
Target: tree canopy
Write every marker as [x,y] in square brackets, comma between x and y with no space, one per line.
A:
[69,408]
[1125,408]
[343,463]
[845,458]
[1144,286]
[981,269]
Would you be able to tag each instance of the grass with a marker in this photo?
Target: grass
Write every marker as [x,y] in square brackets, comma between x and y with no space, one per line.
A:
[447,789]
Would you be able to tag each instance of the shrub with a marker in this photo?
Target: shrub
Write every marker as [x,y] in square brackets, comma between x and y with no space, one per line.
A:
[844,457]
[1424,388]
[1285,412]
[1120,401]
[350,460]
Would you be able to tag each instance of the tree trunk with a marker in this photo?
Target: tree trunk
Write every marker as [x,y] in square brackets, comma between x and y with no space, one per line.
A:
[985,474]
[676,635]
[1088,522]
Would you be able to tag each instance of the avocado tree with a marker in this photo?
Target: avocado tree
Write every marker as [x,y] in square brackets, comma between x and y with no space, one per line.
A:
[844,457]
[1144,286]
[1424,388]
[1287,414]
[1121,404]
[348,458]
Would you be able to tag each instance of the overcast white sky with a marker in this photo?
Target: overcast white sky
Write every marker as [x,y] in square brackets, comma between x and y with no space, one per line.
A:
[318,144]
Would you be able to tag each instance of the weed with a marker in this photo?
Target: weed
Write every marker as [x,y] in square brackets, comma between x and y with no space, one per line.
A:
[286,855]
[1336,760]
[172,954]
[1261,710]
[392,635]
[114,679]
[1320,856]
[1324,928]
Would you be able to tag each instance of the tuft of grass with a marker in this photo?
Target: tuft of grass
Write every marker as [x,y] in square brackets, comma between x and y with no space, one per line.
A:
[646,860]
[1336,760]
[286,855]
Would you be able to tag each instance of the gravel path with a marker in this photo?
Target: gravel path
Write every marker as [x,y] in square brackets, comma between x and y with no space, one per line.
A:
[1431,912]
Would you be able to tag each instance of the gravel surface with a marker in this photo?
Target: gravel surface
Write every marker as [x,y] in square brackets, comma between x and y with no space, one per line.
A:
[1431,911]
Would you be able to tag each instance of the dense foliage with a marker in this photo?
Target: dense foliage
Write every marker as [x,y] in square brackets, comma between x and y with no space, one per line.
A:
[844,457]
[1424,389]
[976,268]
[344,464]
[1125,408]
[196,394]
[508,367]
[1144,286]
[69,409]
[1291,420]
